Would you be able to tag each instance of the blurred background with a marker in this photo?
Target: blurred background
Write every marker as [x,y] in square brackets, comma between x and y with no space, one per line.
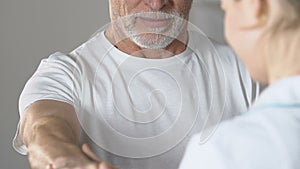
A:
[33,29]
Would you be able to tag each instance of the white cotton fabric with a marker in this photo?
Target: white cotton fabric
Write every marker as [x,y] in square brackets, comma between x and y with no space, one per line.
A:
[113,92]
[268,137]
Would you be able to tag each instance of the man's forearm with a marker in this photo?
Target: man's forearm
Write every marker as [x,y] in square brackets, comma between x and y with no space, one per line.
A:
[49,119]
[49,127]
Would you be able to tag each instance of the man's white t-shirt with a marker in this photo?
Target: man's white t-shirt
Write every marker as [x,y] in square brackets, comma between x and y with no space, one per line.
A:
[268,137]
[139,113]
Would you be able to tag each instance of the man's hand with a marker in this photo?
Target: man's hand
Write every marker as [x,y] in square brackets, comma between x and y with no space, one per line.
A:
[63,156]
[50,130]
[91,161]
[55,154]
[102,165]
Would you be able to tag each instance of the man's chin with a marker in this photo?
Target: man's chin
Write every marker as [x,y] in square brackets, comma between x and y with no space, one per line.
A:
[152,41]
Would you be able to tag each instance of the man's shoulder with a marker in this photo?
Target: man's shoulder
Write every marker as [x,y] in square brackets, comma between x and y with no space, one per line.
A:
[205,45]
[60,60]
[95,42]
[92,50]
[224,51]
[222,47]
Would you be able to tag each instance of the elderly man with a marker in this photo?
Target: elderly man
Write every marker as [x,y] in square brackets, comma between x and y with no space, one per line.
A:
[135,92]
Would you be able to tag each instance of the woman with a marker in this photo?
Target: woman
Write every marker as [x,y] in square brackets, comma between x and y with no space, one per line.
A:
[266,36]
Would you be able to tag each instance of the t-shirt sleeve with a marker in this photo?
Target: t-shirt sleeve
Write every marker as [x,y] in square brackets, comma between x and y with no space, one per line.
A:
[57,78]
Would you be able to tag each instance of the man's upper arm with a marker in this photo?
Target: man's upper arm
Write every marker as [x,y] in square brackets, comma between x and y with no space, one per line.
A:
[51,91]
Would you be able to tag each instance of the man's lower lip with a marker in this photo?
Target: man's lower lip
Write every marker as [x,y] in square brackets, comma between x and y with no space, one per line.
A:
[154,22]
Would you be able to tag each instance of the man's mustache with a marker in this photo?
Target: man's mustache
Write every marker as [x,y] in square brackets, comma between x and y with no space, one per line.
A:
[156,15]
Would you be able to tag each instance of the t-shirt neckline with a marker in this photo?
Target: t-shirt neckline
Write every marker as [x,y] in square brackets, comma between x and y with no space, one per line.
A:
[120,55]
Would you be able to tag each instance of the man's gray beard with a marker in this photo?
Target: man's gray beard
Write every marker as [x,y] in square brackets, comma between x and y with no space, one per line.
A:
[154,38]
[155,41]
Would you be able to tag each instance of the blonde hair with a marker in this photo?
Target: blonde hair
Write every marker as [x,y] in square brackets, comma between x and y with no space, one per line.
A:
[281,40]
